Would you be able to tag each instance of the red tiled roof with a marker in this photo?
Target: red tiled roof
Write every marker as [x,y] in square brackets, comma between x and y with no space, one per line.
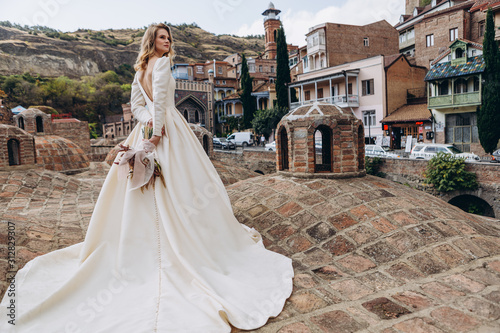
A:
[411,112]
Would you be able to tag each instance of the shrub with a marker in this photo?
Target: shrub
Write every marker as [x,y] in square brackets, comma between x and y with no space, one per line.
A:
[447,173]
[372,166]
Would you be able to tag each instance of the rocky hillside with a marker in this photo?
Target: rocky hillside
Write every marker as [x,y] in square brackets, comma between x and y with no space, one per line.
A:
[87,52]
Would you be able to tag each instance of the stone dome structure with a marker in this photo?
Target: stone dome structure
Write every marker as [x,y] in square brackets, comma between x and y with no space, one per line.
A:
[34,121]
[16,147]
[369,252]
[60,154]
[320,140]
[6,116]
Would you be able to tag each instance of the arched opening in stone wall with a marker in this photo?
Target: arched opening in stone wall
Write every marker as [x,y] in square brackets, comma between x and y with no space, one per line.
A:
[196,117]
[259,172]
[473,204]
[186,115]
[14,152]
[205,144]
[39,124]
[20,122]
[361,148]
[283,148]
[323,149]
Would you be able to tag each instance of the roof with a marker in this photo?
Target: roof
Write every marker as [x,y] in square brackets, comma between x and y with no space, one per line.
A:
[411,112]
[463,5]
[446,70]
[445,53]
[390,59]
[66,120]
[420,12]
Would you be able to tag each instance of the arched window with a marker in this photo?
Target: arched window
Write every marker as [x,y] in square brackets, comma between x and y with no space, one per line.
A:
[361,148]
[39,124]
[20,122]
[459,53]
[186,115]
[14,152]
[205,144]
[274,40]
[283,149]
[196,117]
[323,149]
[443,88]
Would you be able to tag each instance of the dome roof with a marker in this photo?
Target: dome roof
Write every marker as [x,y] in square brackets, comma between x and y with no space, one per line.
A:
[60,154]
[33,112]
[368,252]
[318,110]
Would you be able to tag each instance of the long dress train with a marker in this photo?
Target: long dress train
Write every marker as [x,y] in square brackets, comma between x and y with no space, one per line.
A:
[171,259]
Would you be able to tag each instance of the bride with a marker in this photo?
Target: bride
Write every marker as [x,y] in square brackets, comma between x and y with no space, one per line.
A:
[169,258]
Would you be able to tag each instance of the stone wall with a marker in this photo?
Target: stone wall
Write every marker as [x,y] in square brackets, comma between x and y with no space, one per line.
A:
[263,161]
[76,131]
[412,172]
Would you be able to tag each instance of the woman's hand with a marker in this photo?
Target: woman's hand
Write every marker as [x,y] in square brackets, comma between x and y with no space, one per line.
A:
[150,123]
[155,140]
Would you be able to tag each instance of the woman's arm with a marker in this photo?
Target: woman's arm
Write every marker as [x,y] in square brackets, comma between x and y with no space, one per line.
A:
[161,77]
[137,104]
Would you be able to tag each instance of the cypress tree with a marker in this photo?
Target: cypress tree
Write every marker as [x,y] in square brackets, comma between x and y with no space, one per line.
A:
[488,114]
[282,69]
[247,100]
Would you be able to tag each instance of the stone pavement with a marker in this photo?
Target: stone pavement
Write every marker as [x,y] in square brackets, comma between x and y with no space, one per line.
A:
[374,256]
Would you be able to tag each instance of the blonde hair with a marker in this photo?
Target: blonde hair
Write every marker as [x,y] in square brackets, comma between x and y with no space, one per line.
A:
[148,45]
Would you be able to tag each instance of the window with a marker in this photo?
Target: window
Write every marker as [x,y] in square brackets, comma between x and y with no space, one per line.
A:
[460,86]
[476,83]
[349,88]
[481,29]
[473,52]
[443,88]
[402,38]
[199,70]
[367,86]
[369,118]
[39,124]
[223,81]
[14,152]
[307,95]
[461,130]
[429,40]
[366,41]
[260,68]
[459,53]
[21,122]
[320,93]
[453,34]
[272,69]
[220,70]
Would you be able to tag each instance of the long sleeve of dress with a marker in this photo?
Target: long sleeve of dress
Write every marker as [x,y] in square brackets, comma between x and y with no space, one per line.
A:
[138,104]
[161,76]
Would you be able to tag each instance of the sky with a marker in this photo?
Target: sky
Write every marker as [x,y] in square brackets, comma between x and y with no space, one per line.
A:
[237,17]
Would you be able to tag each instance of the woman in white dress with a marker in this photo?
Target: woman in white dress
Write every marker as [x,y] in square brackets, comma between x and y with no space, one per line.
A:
[167,259]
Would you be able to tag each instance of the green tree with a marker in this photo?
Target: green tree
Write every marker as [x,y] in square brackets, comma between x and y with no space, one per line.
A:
[282,69]
[247,100]
[488,114]
[265,121]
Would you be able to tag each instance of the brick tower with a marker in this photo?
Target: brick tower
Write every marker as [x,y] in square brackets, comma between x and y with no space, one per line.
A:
[271,24]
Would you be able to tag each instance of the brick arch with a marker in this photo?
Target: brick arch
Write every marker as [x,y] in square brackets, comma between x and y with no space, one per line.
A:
[279,158]
[332,124]
[192,104]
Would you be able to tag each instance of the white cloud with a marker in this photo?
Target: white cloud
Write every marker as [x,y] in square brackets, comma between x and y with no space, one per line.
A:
[355,12]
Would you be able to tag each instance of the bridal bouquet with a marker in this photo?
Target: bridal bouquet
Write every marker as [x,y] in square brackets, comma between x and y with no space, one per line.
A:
[139,165]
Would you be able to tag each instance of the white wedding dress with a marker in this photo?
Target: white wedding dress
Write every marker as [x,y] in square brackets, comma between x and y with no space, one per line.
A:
[171,259]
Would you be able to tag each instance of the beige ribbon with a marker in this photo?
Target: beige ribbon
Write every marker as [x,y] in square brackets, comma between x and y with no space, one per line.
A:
[143,164]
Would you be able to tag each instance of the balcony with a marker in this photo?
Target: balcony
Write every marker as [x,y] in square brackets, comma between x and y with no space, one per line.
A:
[341,101]
[455,100]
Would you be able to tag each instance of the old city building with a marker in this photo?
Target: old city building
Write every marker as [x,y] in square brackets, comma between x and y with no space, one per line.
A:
[332,44]
[370,88]
[454,94]
[425,32]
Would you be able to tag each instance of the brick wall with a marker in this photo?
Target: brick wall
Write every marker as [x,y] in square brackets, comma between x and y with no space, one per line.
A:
[439,26]
[401,76]
[344,43]
[264,161]
[77,131]
[26,145]
[476,18]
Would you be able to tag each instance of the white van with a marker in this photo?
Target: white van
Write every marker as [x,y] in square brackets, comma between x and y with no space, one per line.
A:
[243,139]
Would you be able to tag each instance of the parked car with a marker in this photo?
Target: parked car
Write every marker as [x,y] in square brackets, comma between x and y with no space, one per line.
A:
[243,139]
[495,157]
[426,151]
[222,143]
[271,146]
[379,151]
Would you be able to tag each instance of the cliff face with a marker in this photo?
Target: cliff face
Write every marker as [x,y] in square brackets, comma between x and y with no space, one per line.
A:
[38,54]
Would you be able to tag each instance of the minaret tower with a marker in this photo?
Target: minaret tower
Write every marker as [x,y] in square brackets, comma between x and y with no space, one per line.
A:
[271,24]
